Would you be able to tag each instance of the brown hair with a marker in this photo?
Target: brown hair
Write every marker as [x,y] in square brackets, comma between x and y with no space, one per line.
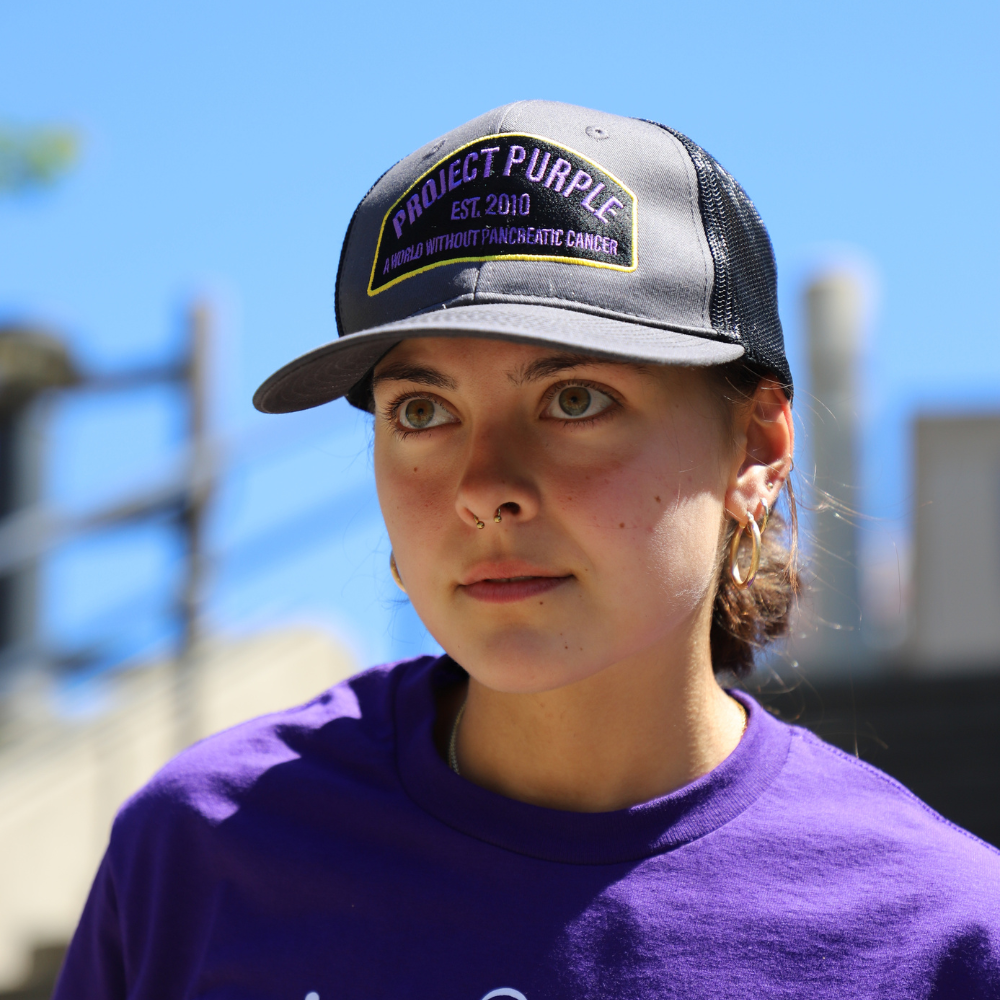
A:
[745,621]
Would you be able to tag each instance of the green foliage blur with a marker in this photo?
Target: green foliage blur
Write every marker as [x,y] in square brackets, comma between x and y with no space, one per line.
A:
[33,157]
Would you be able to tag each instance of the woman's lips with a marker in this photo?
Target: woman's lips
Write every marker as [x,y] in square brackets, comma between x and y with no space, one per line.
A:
[504,590]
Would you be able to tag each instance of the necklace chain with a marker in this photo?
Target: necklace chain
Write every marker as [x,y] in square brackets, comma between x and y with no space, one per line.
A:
[453,741]
[746,718]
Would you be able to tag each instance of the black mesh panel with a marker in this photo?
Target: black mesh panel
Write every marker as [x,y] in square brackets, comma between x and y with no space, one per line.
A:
[745,292]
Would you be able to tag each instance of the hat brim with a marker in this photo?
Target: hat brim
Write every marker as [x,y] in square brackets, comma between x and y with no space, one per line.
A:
[329,372]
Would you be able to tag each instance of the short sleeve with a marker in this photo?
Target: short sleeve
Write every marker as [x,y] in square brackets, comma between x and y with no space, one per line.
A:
[94,967]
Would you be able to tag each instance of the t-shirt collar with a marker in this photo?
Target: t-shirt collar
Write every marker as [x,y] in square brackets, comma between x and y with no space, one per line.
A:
[578,838]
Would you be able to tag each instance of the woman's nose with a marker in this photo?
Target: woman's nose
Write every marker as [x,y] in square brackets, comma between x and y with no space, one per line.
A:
[497,484]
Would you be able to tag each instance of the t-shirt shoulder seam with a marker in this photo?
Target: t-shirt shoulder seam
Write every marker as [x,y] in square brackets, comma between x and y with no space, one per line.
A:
[275,718]
[896,786]
[165,781]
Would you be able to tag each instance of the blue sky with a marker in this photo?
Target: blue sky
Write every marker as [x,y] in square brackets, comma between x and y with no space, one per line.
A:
[226,145]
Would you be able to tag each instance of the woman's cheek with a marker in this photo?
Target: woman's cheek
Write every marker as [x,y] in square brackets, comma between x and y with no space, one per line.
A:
[647,528]
[684,547]
[405,480]
[620,496]
[418,507]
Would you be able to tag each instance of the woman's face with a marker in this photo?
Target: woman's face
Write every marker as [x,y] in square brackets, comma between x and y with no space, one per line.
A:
[611,482]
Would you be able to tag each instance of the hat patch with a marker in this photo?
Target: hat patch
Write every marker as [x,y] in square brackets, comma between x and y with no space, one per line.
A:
[507,197]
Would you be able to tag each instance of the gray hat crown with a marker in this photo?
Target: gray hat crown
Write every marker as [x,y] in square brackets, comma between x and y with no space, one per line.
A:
[553,224]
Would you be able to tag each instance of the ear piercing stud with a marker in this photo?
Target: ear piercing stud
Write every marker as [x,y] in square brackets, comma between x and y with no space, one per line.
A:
[496,516]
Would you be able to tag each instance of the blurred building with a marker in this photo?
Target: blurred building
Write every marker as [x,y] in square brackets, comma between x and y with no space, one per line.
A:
[956,570]
[61,782]
[831,612]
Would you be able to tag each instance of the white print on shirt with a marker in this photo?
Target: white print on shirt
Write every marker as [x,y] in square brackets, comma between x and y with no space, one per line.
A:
[504,991]
[312,995]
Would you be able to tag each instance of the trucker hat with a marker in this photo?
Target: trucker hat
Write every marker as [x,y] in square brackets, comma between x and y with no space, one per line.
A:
[550,224]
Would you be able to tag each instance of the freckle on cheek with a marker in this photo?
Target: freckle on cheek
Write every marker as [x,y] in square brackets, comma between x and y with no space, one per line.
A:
[415,469]
[657,499]
[622,525]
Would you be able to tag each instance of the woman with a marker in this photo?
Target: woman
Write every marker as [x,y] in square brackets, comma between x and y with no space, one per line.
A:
[564,324]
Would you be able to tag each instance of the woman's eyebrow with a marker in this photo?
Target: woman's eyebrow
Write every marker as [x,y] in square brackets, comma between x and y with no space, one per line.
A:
[553,364]
[403,372]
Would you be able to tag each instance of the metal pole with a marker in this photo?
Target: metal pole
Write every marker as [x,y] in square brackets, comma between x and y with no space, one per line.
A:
[18,488]
[32,361]
[192,526]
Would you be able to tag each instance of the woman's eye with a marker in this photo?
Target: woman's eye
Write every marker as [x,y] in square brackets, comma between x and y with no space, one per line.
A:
[577,402]
[420,413]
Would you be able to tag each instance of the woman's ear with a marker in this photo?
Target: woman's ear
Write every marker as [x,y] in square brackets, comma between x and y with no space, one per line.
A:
[765,438]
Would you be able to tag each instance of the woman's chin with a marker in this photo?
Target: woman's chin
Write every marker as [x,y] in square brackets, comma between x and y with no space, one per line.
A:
[528,662]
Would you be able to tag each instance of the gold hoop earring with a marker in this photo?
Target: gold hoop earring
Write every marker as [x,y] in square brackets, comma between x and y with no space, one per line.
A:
[496,516]
[767,514]
[734,547]
[395,572]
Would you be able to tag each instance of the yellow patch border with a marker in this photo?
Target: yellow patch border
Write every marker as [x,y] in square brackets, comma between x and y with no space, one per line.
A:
[507,256]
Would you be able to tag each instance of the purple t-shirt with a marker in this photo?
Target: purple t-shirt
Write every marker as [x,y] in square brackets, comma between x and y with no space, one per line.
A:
[328,851]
